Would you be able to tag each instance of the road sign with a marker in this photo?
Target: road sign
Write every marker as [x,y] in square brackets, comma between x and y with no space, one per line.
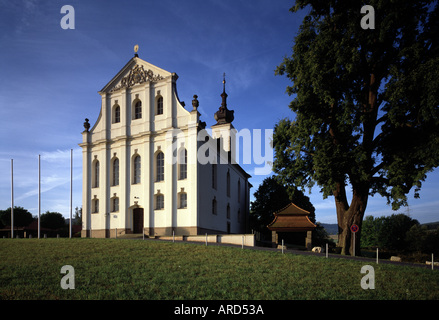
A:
[354,228]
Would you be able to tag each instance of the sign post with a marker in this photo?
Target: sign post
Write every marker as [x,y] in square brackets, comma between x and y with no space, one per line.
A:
[354,230]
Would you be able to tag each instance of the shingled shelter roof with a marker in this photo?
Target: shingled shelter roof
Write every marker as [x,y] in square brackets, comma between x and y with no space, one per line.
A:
[291,219]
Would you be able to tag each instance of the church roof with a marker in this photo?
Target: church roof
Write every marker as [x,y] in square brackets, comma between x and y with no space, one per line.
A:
[291,219]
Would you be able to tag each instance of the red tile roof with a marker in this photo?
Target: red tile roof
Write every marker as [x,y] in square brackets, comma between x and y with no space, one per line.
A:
[291,219]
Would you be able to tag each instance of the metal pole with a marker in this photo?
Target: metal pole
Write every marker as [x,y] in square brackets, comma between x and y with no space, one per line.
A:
[377,255]
[242,242]
[173,236]
[71,191]
[282,246]
[354,245]
[432,262]
[206,239]
[326,250]
[116,233]
[12,198]
[39,195]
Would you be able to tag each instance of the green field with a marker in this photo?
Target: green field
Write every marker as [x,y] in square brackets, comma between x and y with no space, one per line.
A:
[136,269]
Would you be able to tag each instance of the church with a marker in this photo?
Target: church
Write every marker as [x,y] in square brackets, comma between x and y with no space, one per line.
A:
[150,165]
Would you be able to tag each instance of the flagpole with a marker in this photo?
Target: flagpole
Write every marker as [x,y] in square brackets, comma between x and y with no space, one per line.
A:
[39,195]
[12,198]
[71,191]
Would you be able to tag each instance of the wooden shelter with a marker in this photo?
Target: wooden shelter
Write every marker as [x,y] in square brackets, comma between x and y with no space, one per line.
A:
[292,219]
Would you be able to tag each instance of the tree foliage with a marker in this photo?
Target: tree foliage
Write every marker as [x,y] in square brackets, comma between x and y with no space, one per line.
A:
[399,232]
[365,104]
[22,217]
[52,220]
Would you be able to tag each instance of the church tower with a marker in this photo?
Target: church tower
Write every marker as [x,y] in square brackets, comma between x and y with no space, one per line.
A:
[223,129]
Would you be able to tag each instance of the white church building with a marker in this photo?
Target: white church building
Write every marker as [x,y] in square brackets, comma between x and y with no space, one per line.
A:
[150,165]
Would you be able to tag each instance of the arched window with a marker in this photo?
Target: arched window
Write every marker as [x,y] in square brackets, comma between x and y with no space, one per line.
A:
[182,200]
[160,105]
[116,118]
[137,167]
[159,201]
[95,205]
[115,204]
[95,178]
[138,110]
[115,173]
[160,167]
[182,163]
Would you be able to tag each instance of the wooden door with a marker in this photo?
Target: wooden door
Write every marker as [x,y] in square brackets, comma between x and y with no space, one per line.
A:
[138,220]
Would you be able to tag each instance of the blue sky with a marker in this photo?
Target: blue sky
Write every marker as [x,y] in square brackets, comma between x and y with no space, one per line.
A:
[50,78]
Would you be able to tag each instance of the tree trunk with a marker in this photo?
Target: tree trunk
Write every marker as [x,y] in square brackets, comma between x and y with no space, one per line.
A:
[347,215]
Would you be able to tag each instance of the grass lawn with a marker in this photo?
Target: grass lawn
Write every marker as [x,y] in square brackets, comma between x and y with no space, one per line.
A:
[136,269]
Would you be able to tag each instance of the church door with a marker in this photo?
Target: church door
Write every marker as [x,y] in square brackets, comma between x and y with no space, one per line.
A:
[138,220]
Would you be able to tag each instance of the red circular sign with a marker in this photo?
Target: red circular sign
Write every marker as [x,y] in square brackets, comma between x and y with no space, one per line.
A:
[354,228]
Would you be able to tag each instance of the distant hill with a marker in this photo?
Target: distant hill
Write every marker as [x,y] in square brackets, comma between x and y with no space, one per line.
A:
[431,225]
[331,228]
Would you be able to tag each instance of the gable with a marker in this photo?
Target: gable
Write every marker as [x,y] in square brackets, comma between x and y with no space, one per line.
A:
[136,71]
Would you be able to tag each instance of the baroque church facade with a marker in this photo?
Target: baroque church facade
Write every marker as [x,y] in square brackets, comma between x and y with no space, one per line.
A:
[150,166]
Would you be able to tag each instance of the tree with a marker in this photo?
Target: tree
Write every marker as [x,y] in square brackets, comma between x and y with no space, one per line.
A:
[77,220]
[52,220]
[366,104]
[392,234]
[370,231]
[22,217]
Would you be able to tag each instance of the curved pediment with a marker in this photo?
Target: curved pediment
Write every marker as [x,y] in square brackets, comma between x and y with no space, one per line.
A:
[136,71]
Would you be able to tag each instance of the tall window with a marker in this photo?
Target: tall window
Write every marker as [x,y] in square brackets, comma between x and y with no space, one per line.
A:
[138,110]
[228,211]
[95,206]
[115,205]
[214,206]
[214,176]
[160,167]
[159,201]
[137,167]
[239,191]
[183,200]
[96,174]
[228,183]
[182,161]
[160,105]
[117,114]
[115,172]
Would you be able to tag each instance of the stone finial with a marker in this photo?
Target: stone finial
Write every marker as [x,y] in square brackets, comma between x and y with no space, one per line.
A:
[86,125]
[195,102]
